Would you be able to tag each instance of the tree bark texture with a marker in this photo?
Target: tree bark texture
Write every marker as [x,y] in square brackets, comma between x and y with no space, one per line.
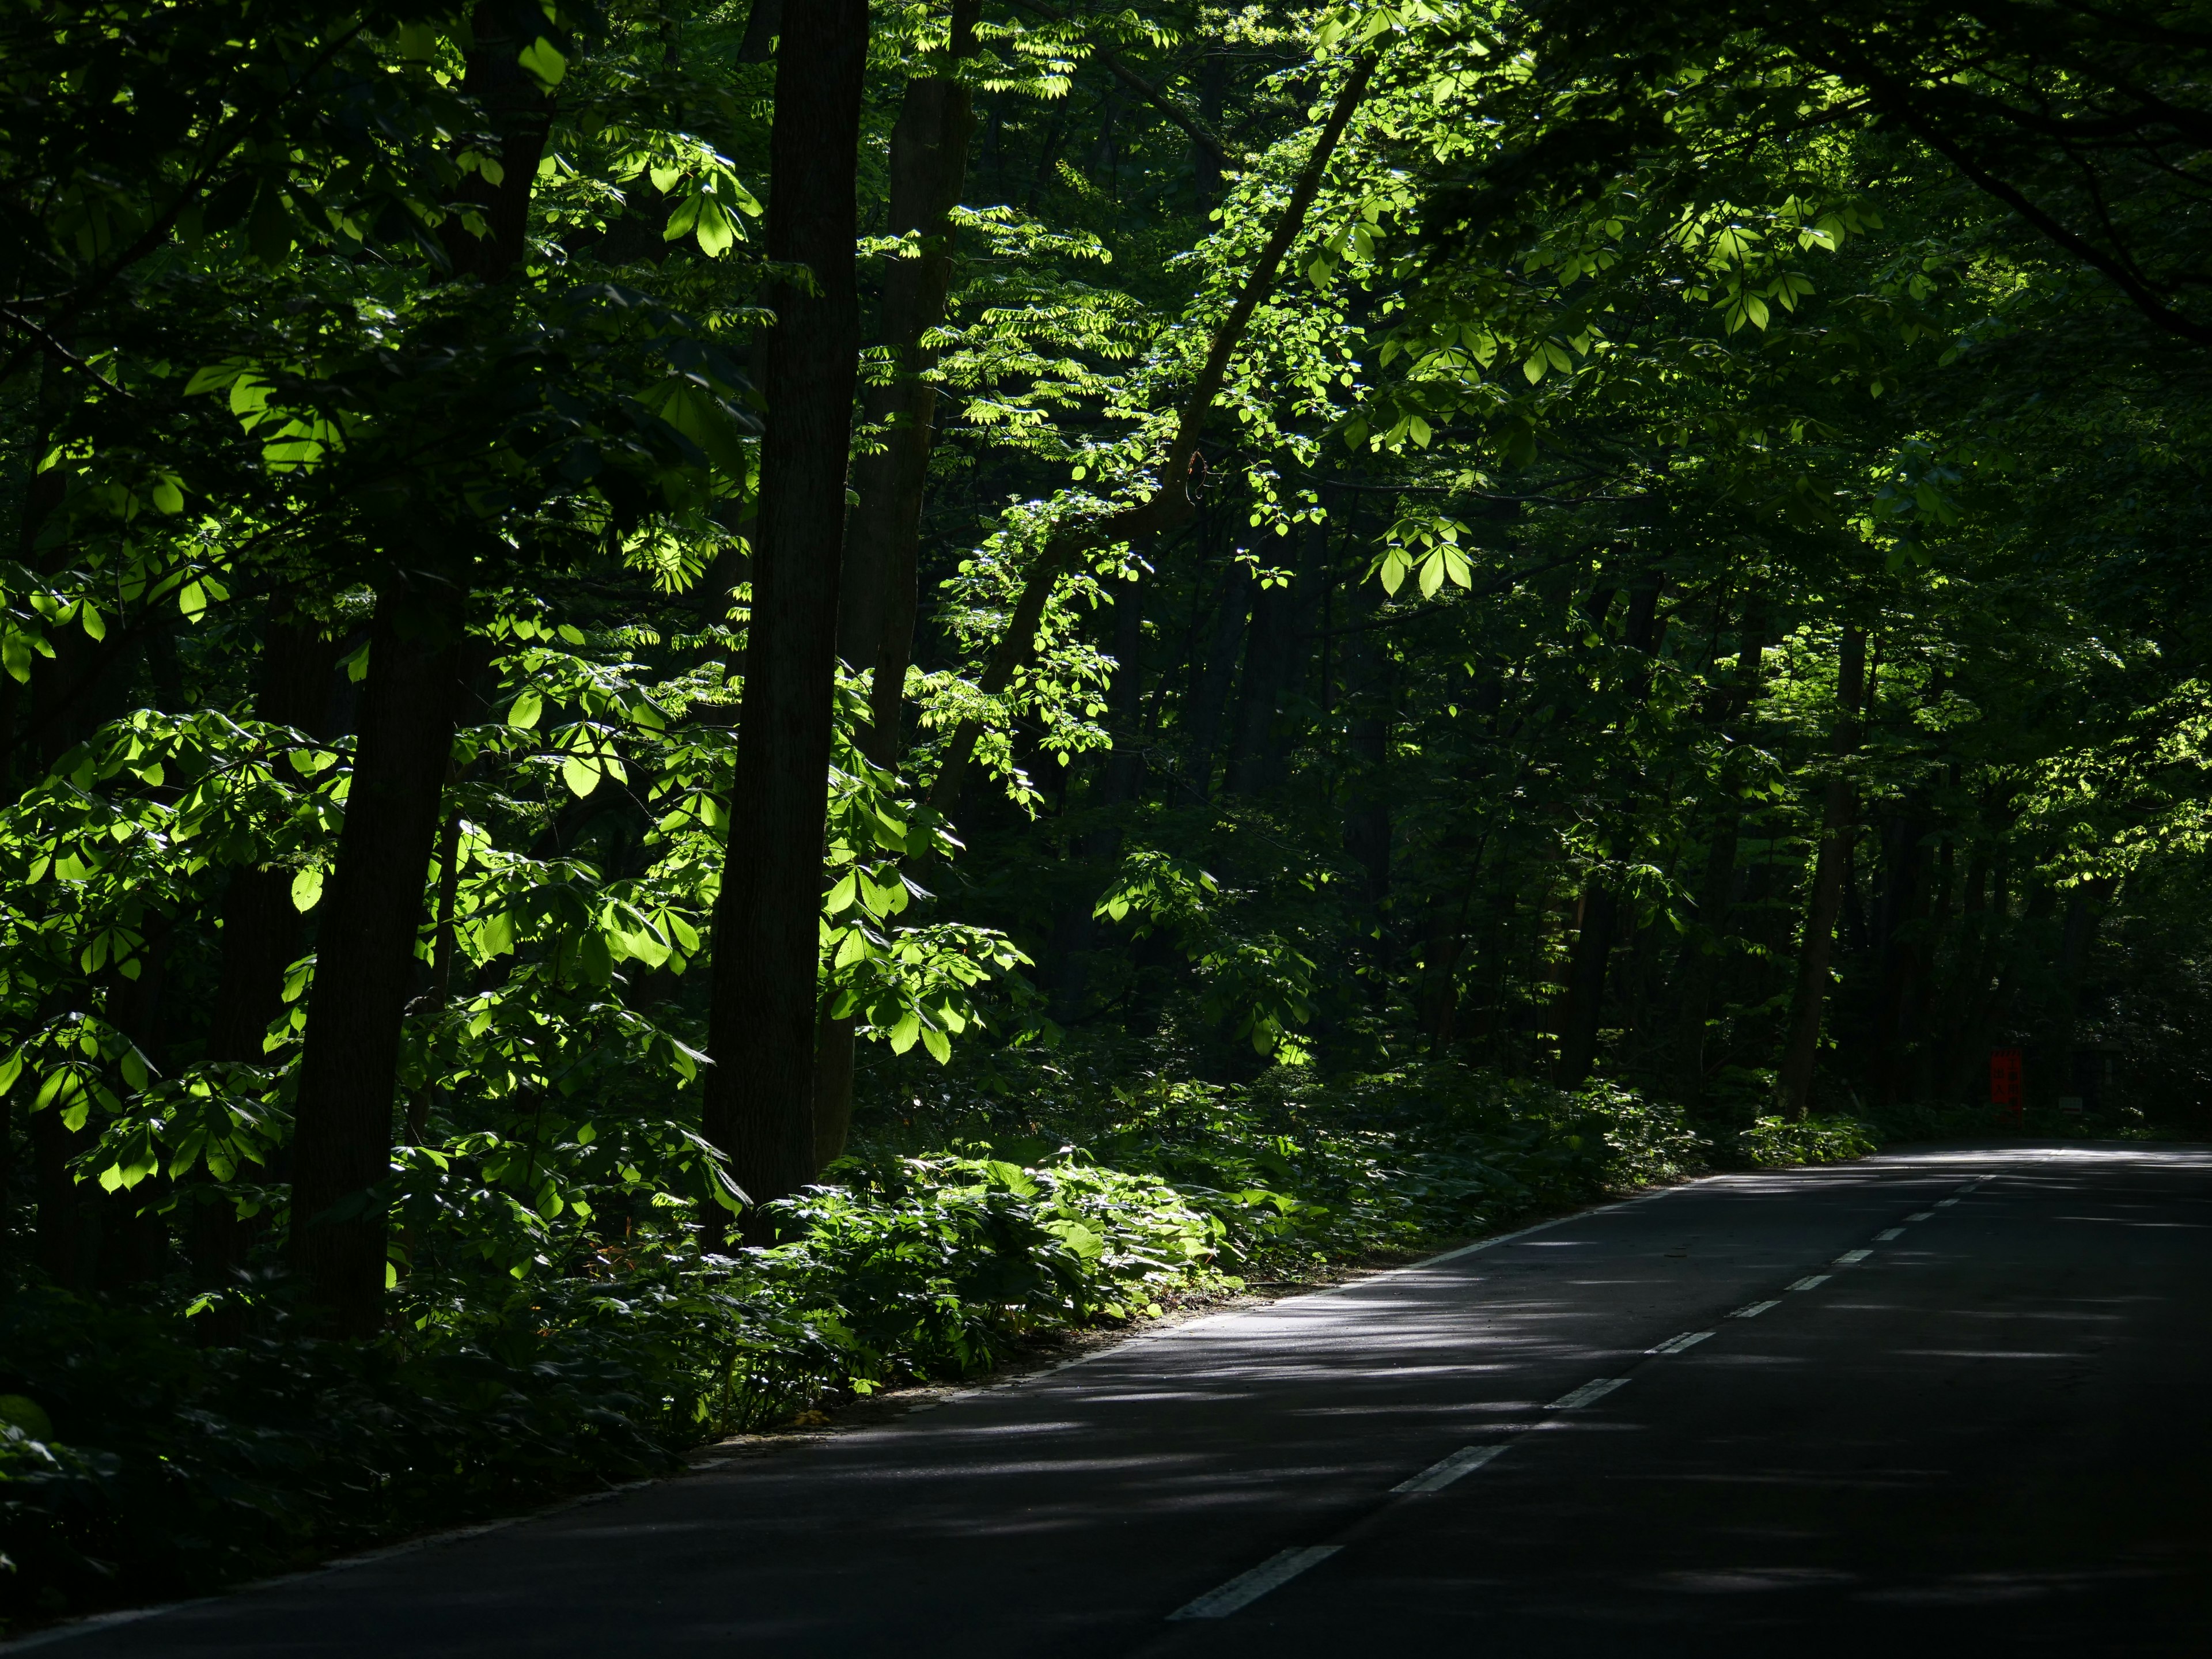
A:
[365,961]
[263,932]
[760,1032]
[1837,811]
[879,596]
[364,964]
[878,600]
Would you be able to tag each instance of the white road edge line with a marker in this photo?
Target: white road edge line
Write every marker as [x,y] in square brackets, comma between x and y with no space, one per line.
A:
[1246,1588]
[1884,1236]
[1589,1393]
[1810,1282]
[1437,1476]
[1850,1256]
[1755,1309]
[1677,1344]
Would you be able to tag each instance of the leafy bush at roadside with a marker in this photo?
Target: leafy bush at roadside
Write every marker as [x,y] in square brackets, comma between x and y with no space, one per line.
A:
[169,1468]
[1774,1141]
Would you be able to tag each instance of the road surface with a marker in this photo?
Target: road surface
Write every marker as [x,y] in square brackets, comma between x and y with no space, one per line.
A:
[1951,1401]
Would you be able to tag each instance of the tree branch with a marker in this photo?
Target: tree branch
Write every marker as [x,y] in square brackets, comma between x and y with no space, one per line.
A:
[1170,503]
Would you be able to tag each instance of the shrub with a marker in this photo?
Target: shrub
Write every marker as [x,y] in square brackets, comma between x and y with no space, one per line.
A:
[1773,1141]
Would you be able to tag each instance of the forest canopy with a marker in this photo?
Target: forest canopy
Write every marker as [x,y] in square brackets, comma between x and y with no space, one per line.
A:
[708,706]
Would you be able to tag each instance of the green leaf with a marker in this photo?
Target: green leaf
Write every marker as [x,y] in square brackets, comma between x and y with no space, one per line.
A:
[580,775]
[715,233]
[545,61]
[527,707]
[306,889]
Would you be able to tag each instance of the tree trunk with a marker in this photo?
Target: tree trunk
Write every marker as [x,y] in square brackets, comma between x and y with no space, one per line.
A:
[1266,661]
[1899,930]
[263,932]
[1794,1082]
[365,962]
[1209,698]
[879,600]
[760,1032]
[365,966]
[1077,928]
[880,595]
[1582,1008]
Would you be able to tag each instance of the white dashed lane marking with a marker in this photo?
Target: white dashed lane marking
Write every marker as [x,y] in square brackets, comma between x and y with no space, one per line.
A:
[1590,1393]
[1246,1588]
[1437,1476]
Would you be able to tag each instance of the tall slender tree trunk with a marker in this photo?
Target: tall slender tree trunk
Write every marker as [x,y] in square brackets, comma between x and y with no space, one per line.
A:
[1209,697]
[880,597]
[1582,1007]
[1794,1084]
[364,964]
[761,1028]
[365,960]
[1077,927]
[263,932]
[879,593]
[1903,896]
[1703,951]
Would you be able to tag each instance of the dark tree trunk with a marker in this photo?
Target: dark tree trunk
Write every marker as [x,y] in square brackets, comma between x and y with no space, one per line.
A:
[1901,946]
[2085,903]
[763,24]
[365,966]
[760,1094]
[261,929]
[1368,693]
[263,932]
[365,962]
[879,593]
[1582,1007]
[1209,697]
[1078,928]
[1269,651]
[1794,1082]
[879,598]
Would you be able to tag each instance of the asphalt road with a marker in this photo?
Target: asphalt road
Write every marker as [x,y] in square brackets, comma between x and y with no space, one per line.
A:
[1954,1401]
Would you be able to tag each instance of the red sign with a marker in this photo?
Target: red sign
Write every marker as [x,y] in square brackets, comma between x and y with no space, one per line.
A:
[2004,1079]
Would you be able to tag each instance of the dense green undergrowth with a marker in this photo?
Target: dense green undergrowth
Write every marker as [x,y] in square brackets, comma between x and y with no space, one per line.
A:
[143,1464]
